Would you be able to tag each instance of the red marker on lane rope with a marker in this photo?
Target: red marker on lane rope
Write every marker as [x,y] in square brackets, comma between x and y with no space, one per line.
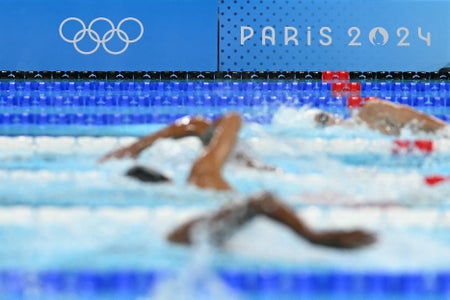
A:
[354,101]
[330,76]
[433,180]
[410,146]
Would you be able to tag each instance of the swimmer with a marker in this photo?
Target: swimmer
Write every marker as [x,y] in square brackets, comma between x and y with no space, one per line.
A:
[219,138]
[222,224]
[386,117]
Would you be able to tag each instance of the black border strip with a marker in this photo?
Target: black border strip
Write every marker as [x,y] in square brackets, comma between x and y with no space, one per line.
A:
[443,74]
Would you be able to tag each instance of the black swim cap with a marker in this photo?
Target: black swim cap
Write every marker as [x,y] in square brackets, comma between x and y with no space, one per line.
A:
[146,174]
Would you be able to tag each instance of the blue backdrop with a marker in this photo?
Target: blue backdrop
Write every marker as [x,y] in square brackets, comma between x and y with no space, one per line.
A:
[161,35]
[334,34]
[264,35]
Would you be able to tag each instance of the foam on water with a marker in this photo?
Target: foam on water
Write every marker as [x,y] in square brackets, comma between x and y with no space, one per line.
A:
[88,214]
[352,163]
[134,238]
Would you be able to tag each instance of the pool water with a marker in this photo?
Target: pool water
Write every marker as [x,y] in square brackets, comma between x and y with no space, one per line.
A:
[72,228]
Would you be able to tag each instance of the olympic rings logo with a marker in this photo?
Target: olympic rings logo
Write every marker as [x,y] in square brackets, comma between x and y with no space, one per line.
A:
[97,38]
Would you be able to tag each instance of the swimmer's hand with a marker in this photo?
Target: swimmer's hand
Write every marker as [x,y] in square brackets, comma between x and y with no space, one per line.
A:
[344,239]
[251,163]
[132,151]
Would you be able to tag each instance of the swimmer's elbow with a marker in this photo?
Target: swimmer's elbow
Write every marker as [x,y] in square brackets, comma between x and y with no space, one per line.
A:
[176,240]
[179,237]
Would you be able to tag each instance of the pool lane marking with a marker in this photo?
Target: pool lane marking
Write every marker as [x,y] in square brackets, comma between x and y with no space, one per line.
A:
[328,145]
[399,147]
[369,215]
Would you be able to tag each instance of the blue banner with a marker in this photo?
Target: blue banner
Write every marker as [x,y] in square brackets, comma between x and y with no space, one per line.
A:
[276,35]
[108,35]
[208,35]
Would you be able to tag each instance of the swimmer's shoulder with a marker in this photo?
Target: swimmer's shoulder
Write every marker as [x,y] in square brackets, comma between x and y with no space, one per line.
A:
[374,107]
[372,103]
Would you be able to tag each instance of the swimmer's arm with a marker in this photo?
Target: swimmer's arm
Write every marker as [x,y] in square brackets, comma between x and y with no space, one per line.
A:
[426,123]
[226,221]
[206,170]
[180,128]
[389,117]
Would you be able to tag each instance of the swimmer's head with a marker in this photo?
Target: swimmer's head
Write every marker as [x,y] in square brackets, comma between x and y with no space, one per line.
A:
[324,119]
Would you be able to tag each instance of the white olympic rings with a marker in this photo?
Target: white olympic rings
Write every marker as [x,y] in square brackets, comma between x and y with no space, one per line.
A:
[107,36]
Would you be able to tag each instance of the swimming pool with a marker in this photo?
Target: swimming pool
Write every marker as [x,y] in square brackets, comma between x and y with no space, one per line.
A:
[74,229]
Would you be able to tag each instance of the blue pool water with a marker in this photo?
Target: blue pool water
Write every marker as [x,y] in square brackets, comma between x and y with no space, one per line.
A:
[75,229]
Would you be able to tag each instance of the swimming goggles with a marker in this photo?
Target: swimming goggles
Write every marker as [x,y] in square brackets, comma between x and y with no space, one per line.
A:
[322,119]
